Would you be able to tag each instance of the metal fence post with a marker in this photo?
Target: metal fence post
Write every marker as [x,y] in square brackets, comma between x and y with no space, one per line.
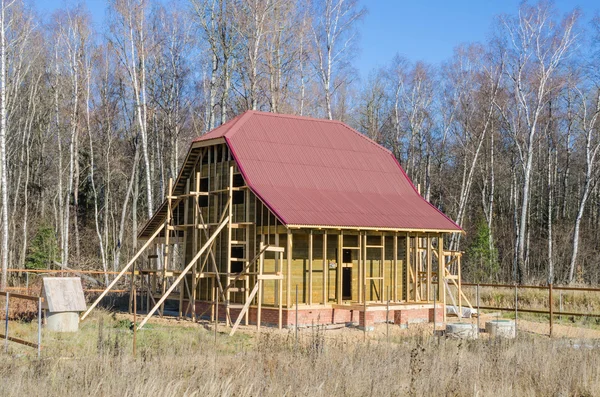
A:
[516,308]
[551,311]
[477,289]
[39,350]
[6,326]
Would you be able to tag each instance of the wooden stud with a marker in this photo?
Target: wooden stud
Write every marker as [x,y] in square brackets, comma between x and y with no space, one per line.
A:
[442,276]
[407,267]
[289,268]
[360,268]
[428,263]
[261,263]
[395,267]
[325,269]
[228,254]
[339,267]
[310,268]
[364,280]
[382,289]
[195,242]
[169,222]
[185,220]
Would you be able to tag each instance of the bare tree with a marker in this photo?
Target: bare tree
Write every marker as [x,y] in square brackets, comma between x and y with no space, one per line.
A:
[334,33]
[536,47]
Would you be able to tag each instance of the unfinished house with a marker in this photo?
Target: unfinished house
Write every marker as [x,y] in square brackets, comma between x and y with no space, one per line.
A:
[277,220]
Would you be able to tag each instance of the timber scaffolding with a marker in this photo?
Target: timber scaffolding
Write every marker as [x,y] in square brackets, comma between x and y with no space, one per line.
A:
[216,247]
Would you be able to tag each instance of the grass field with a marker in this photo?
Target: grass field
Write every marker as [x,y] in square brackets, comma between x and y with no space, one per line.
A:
[175,359]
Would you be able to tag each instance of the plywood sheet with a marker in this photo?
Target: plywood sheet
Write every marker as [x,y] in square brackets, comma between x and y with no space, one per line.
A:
[63,294]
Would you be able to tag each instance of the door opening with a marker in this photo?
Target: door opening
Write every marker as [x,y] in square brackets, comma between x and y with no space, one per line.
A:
[347,283]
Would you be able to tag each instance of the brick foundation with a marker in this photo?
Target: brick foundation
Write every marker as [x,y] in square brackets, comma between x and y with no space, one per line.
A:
[327,315]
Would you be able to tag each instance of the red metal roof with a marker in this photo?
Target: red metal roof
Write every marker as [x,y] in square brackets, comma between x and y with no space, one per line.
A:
[324,173]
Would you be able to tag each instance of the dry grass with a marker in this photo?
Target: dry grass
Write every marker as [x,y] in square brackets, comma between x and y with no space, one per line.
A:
[185,360]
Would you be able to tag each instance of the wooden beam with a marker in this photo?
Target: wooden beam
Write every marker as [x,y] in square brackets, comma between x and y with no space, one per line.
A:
[441,276]
[228,256]
[310,267]
[340,259]
[407,266]
[360,267]
[429,264]
[261,263]
[245,308]
[289,269]
[187,269]
[325,268]
[122,272]
[395,267]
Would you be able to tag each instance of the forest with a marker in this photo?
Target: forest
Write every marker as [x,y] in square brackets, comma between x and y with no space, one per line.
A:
[504,136]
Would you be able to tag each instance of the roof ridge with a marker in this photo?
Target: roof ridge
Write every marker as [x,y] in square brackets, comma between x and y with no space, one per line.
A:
[238,123]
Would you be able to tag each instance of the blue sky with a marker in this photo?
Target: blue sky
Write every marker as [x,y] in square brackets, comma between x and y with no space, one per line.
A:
[415,29]
[430,30]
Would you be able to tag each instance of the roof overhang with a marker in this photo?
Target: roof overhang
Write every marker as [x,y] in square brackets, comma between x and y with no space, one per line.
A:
[377,229]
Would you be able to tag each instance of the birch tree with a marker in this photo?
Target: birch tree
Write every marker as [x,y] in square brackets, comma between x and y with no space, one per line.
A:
[334,33]
[536,47]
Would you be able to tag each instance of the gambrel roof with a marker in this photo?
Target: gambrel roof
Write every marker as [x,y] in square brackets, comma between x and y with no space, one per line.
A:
[321,173]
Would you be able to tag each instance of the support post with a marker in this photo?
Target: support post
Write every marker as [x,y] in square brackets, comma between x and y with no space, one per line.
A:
[442,276]
[195,244]
[395,266]
[39,344]
[261,262]
[478,326]
[360,267]
[325,268]
[340,259]
[428,263]
[516,308]
[550,306]
[123,271]
[408,267]
[310,268]
[187,269]
[228,256]
[168,224]
[289,268]
[6,323]
[134,318]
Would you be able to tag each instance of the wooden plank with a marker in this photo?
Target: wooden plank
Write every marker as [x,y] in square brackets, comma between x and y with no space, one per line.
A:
[339,267]
[310,267]
[382,269]
[441,276]
[395,266]
[325,268]
[428,263]
[121,273]
[187,269]
[18,340]
[229,234]
[289,269]
[360,267]
[261,263]
[270,277]
[407,265]
[245,308]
